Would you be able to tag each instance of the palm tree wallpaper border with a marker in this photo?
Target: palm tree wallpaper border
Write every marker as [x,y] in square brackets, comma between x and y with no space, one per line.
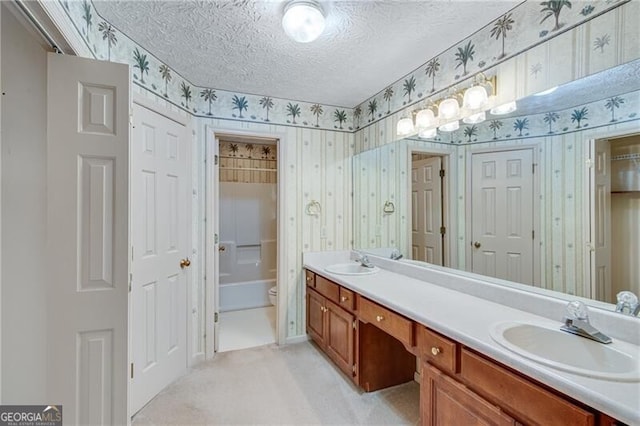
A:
[505,37]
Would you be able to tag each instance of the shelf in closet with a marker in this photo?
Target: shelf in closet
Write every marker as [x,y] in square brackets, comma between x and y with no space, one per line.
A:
[249,169]
[247,158]
[634,156]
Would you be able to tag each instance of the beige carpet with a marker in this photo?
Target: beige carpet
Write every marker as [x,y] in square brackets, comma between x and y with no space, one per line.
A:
[293,385]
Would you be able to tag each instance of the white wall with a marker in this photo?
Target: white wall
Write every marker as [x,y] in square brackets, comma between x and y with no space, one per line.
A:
[24,343]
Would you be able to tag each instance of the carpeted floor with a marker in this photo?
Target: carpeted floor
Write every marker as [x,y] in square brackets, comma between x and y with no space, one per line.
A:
[293,385]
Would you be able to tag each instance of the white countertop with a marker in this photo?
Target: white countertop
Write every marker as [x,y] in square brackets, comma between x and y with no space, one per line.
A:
[468,319]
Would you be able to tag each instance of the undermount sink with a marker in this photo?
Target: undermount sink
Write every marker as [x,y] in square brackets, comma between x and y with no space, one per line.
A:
[351,269]
[547,345]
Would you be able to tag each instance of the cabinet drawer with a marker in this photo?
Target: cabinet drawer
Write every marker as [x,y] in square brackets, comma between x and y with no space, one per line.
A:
[438,350]
[347,299]
[527,401]
[310,279]
[328,289]
[394,324]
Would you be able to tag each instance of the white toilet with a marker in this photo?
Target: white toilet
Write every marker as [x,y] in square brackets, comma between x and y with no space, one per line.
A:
[273,295]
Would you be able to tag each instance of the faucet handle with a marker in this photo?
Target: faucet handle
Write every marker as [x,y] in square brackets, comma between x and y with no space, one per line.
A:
[577,310]
[627,302]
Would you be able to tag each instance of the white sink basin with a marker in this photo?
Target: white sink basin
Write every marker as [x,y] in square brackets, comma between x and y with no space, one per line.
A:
[618,361]
[350,269]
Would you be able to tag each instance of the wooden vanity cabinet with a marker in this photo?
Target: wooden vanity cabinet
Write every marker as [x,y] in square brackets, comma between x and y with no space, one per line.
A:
[458,383]
[330,326]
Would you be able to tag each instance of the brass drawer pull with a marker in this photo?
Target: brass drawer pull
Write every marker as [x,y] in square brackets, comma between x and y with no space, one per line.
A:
[344,298]
[379,318]
[435,350]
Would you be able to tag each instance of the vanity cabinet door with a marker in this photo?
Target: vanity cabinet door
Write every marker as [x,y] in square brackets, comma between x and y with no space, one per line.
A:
[340,337]
[445,402]
[315,317]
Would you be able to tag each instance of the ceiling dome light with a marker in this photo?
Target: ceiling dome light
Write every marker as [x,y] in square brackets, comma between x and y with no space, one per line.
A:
[404,127]
[428,134]
[303,21]
[425,119]
[448,109]
[475,118]
[450,127]
[504,108]
[475,98]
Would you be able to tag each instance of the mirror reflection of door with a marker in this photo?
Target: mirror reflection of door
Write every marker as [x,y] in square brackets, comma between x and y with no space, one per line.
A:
[615,209]
[502,215]
[427,232]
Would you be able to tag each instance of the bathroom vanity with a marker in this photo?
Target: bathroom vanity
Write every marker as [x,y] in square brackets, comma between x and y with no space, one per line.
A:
[375,327]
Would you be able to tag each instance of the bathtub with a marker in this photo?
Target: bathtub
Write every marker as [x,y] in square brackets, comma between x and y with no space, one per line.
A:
[245,295]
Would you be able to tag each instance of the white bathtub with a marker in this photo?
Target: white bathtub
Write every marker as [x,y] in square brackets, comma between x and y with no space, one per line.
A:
[245,295]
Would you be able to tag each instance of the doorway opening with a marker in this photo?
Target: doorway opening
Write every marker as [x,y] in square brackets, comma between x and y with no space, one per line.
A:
[615,208]
[429,207]
[247,212]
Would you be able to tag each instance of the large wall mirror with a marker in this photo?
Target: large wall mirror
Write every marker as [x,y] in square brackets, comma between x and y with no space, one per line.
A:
[547,196]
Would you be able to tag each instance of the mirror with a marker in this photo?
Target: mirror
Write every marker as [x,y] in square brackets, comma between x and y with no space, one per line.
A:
[575,242]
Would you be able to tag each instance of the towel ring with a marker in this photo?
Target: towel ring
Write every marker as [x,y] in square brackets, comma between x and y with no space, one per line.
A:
[313,208]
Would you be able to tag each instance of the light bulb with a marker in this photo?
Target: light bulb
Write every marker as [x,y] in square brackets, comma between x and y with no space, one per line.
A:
[303,21]
[427,134]
[475,98]
[425,118]
[475,118]
[404,127]
[448,109]
[450,127]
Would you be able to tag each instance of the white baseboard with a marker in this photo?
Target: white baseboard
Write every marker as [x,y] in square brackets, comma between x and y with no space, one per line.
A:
[296,339]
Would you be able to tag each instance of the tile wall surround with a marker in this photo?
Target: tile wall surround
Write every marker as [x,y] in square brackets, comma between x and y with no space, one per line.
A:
[317,144]
[481,52]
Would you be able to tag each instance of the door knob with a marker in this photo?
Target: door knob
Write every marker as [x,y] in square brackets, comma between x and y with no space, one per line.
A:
[222,248]
[185,263]
[477,244]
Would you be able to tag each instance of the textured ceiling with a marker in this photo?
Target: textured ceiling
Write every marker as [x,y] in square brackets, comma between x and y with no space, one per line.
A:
[239,45]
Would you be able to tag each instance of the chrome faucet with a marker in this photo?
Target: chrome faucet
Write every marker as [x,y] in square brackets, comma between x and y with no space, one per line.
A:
[395,254]
[627,303]
[576,321]
[364,260]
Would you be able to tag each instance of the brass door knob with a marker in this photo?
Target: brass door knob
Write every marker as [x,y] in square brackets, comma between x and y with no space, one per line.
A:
[477,244]
[185,263]
[435,350]
[379,318]
[222,248]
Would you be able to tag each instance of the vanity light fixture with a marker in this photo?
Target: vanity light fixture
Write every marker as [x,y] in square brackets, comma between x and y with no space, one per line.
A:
[303,20]
[475,98]
[449,109]
[450,127]
[425,118]
[504,108]
[404,126]
[475,118]
[428,134]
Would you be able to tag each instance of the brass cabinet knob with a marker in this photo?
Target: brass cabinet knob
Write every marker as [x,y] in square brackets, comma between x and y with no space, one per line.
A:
[185,263]
[344,298]
[308,278]
[477,244]
[222,248]
[435,350]
[379,318]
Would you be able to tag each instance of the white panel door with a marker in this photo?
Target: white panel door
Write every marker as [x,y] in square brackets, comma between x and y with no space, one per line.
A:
[160,209]
[426,210]
[88,238]
[502,215]
[601,223]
